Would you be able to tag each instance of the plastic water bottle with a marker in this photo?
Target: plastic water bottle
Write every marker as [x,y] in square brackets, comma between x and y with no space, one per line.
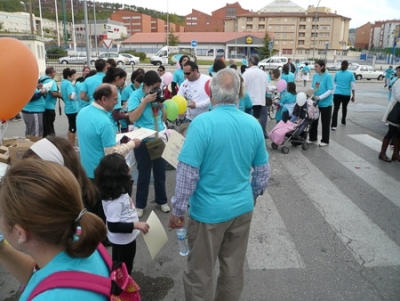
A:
[182,241]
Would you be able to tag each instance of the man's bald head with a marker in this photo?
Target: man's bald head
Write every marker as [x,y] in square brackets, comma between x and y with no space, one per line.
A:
[106,95]
[225,87]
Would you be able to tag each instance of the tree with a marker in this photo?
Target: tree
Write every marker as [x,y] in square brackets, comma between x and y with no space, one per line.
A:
[173,40]
[264,51]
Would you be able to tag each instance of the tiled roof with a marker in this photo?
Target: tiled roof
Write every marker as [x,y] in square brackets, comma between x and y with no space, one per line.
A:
[187,37]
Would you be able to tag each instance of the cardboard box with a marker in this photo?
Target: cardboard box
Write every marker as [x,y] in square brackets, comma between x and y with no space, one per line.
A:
[4,155]
[17,151]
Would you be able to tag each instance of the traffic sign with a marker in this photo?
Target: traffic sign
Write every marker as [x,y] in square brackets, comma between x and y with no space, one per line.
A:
[270,45]
[108,43]
[194,43]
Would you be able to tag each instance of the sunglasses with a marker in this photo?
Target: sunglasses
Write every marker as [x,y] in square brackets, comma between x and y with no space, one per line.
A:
[160,70]
[187,73]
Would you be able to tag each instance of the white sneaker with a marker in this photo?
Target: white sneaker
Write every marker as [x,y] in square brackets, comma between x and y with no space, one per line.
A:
[322,144]
[333,129]
[139,212]
[311,142]
[165,208]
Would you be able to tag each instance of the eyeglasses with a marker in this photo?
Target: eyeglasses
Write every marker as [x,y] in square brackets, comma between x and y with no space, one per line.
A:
[187,73]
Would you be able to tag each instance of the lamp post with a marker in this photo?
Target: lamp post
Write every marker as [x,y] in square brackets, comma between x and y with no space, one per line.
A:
[41,19]
[73,25]
[95,25]
[24,5]
[167,24]
[315,28]
[85,16]
[57,25]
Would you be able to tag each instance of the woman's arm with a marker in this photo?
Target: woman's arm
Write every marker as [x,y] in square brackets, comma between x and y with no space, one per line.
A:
[136,113]
[19,265]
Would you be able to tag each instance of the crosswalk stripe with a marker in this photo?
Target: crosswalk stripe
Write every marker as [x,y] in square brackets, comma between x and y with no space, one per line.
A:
[368,141]
[368,243]
[270,244]
[377,179]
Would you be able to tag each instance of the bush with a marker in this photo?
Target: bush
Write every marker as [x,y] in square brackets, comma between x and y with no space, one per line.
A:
[57,51]
[142,55]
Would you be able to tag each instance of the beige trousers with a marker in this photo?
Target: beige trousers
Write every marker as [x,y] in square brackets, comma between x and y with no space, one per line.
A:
[226,241]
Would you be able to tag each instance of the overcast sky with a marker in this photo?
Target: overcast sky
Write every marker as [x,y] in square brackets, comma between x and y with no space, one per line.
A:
[360,11]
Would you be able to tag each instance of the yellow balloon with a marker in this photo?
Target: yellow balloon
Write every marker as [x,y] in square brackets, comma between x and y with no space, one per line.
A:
[181,102]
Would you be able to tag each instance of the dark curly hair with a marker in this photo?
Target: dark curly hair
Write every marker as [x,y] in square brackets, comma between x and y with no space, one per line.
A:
[112,177]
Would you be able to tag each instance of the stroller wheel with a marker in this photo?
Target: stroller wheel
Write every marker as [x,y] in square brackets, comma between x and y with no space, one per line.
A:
[285,149]
[274,146]
[305,146]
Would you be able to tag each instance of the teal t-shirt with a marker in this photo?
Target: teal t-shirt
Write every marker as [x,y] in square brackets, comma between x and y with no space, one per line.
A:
[389,72]
[146,120]
[343,80]
[96,132]
[289,78]
[63,262]
[117,106]
[245,102]
[223,144]
[128,90]
[90,85]
[35,106]
[81,103]
[71,105]
[305,69]
[179,77]
[50,100]
[322,83]
[210,69]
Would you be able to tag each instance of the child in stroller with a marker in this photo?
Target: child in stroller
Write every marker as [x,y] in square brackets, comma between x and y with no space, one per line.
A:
[295,130]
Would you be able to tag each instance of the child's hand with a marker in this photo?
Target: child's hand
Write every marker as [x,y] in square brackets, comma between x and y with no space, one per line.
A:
[142,226]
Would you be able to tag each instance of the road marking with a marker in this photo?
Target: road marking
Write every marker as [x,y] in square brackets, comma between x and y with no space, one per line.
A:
[371,142]
[377,179]
[270,244]
[368,243]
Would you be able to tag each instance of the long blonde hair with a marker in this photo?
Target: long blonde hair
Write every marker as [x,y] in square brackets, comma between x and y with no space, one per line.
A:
[45,198]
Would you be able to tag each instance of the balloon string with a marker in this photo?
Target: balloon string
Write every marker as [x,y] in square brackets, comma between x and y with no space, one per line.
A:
[3,128]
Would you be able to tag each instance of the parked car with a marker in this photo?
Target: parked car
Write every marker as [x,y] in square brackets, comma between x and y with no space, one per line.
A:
[337,66]
[132,60]
[119,59]
[274,62]
[77,58]
[310,64]
[366,72]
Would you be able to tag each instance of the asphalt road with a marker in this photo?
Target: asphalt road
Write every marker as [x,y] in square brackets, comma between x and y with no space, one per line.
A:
[327,228]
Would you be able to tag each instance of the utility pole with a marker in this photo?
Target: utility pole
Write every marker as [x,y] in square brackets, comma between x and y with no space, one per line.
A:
[315,28]
[31,17]
[85,15]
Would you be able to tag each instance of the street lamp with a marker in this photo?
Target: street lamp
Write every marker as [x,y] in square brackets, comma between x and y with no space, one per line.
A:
[23,3]
[95,25]
[315,28]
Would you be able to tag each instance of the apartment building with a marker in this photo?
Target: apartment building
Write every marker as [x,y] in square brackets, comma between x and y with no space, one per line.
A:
[298,32]
[379,35]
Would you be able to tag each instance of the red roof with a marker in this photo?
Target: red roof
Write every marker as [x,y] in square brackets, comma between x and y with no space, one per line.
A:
[187,37]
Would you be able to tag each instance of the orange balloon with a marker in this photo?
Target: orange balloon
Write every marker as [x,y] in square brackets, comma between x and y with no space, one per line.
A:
[19,76]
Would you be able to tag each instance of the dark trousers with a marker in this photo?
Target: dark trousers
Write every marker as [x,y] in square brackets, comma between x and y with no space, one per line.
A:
[49,116]
[144,166]
[325,115]
[124,253]
[337,101]
[393,133]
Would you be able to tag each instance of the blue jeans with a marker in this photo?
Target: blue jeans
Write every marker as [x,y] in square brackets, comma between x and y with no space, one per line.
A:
[144,166]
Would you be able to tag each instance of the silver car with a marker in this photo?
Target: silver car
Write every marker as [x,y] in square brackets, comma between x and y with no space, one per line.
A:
[119,59]
[77,58]
[132,60]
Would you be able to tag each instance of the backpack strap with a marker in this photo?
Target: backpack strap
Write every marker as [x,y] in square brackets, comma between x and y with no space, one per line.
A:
[77,280]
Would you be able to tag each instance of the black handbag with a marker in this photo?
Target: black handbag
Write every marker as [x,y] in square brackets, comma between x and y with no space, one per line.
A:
[394,115]
[268,101]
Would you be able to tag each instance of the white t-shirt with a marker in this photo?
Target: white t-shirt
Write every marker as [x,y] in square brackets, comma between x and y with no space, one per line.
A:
[256,84]
[195,91]
[121,210]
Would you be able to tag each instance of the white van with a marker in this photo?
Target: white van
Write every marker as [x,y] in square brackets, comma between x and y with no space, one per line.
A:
[275,62]
[170,55]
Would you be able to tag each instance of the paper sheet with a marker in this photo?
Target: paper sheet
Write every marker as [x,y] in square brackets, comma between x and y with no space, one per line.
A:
[47,86]
[173,148]
[156,238]
[139,134]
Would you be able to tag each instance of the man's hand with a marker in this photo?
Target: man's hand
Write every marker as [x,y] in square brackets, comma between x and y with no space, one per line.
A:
[137,142]
[353,99]
[176,222]
[192,104]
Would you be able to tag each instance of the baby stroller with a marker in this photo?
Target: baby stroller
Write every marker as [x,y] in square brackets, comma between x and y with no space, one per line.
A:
[295,130]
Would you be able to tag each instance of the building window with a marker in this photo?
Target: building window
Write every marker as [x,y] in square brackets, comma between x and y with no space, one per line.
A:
[285,19]
[278,27]
[189,23]
[270,19]
[321,19]
[194,18]
[314,35]
[302,27]
[285,27]
[261,26]
[315,27]
[293,19]
[189,18]
[278,19]
[302,35]
[315,19]
[269,27]
[194,23]
[249,26]
[249,19]
[262,19]
[230,12]
[308,19]
[302,19]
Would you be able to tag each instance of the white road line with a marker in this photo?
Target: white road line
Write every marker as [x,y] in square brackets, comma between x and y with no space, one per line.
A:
[368,243]
[379,180]
[270,244]
[368,140]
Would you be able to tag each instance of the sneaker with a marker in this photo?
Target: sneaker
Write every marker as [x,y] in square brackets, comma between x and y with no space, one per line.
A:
[164,208]
[322,144]
[16,118]
[391,146]
[333,128]
[311,142]
[139,212]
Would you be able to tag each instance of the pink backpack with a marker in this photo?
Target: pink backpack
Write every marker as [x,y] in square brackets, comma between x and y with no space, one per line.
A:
[118,287]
